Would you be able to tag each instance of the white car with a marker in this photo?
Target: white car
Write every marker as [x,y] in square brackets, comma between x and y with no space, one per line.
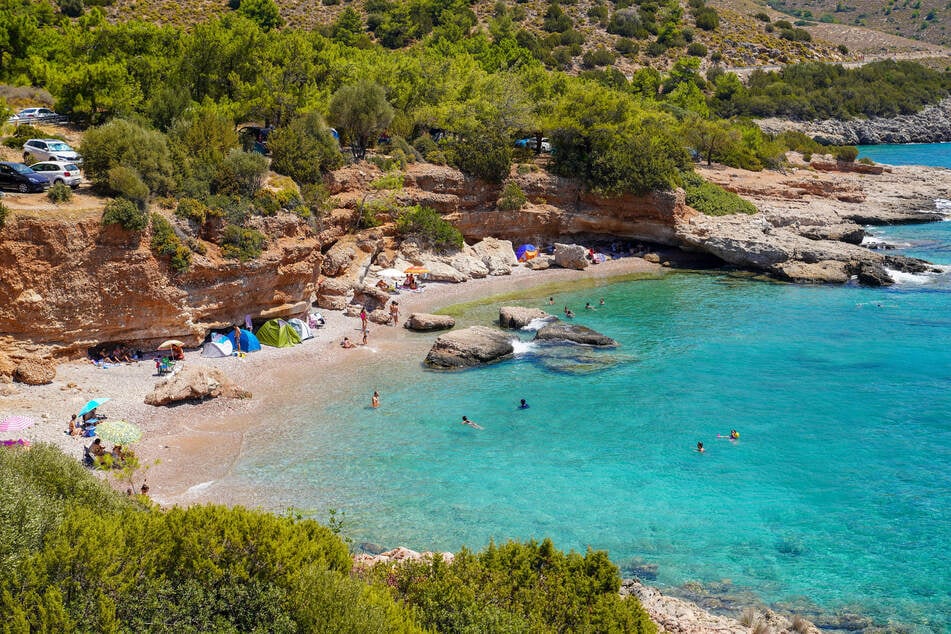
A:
[49,150]
[59,172]
[36,114]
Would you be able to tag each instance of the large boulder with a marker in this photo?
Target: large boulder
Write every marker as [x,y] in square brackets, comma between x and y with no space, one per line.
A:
[560,331]
[442,272]
[333,293]
[35,371]
[571,256]
[518,316]
[424,322]
[7,367]
[338,258]
[370,297]
[194,383]
[476,345]
[497,255]
[540,262]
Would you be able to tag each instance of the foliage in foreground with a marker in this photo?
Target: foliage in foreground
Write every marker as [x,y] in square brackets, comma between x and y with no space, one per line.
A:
[516,587]
[76,556]
[713,200]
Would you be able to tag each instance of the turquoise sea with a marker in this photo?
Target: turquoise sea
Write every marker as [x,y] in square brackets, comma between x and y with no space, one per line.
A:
[836,499]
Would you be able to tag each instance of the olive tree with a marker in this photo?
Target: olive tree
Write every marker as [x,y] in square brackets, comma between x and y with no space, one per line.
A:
[360,112]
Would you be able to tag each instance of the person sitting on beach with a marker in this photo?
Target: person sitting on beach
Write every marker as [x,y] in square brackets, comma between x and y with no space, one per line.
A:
[117,456]
[523,404]
[466,421]
[700,447]
[382,285]
[96,448]
[177,353]
[346,343]
[75,426]
[90,415]
[121,355]
[375,400]
[145,489]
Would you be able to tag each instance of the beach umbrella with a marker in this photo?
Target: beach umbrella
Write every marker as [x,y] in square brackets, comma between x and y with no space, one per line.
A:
[416,270]
[15,423]
[391,273]
[93,404]
[118,432]
[170,343]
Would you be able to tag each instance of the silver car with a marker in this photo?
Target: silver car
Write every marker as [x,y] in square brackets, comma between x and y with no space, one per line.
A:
[49,150]
[35,114]
[59,172]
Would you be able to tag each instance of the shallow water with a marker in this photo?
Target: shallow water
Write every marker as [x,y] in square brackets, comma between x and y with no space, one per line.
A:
[836,497]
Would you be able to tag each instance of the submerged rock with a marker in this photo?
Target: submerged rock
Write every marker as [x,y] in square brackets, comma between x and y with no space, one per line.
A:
[518,316]
[560,331]
[424,322]
[477,345]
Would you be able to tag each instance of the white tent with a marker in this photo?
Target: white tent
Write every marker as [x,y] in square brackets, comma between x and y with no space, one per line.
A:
[302,329]
[219,346]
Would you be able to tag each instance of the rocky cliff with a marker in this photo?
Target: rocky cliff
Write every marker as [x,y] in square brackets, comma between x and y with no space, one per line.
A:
[69,285]
[931,125]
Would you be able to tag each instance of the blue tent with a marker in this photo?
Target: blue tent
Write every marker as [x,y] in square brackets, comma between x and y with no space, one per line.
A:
[249,343]
[526,252]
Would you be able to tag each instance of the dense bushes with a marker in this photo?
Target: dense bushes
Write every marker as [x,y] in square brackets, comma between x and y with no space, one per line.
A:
[241,243]
[512,198]
[304,149]
[712,199]
[427,225]
[128,145]
[59,193]
[513,587]
[126,214]
[166,242]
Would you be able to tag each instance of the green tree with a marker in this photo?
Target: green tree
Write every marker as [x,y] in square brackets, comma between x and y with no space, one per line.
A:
[360,112]
[264,13]
[304,149]
[709,138]
[127,144]
[240,173]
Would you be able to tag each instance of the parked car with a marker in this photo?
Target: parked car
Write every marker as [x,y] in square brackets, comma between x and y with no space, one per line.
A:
[49,150]
[530,143]
[21,178]
[37,114]
[59,172]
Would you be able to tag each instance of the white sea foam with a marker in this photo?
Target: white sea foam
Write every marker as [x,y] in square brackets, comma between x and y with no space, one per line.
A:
[873,242]
[523,347]
[901,277]
[198,488]
[538,323]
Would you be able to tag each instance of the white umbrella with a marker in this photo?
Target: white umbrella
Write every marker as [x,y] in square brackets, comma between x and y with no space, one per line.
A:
[392,273]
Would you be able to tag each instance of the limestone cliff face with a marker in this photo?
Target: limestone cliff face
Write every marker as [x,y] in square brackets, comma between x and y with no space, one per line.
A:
[70,284]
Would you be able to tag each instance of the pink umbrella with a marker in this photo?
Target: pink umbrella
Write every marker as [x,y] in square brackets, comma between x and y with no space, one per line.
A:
[15,423]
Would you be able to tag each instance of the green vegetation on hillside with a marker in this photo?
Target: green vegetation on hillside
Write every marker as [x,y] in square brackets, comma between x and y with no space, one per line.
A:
[76,556]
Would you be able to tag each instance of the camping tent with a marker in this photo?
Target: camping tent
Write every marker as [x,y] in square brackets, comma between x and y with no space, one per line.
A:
[277,333]
[249,343]
[301,328]
[219,346]
[526,252]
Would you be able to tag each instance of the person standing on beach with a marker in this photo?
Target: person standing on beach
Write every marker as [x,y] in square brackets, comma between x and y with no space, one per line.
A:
[375,400]
[394,313]
[366,332]
[363,320]
[237,339]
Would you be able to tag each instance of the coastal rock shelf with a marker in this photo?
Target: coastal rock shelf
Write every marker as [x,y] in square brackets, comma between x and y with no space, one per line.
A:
[194,383]
[561,331]
[473,346]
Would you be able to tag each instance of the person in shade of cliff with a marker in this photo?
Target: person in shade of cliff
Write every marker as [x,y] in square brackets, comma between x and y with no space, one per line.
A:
[237,339]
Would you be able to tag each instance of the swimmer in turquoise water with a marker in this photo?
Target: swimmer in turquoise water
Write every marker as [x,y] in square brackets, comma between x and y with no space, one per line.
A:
[523,404]
[734,435]
[466,421]
[700,447]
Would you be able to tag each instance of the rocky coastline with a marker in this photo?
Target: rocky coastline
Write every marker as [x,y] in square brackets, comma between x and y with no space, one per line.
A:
[932,124]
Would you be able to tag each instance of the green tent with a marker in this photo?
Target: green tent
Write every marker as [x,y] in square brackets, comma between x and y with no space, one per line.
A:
[278,334]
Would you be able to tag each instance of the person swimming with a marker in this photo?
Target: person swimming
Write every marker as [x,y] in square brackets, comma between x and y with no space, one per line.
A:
[700,447]
[588,306]
[466,421]
[523,404]
[734,435]
[375,399]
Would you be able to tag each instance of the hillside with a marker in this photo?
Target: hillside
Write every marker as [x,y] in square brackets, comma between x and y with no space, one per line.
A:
[589,34]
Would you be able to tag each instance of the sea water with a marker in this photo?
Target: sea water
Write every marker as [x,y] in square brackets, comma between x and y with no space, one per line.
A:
[836,497]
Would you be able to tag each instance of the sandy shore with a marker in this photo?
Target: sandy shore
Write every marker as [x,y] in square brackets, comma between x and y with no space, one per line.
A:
[188,447]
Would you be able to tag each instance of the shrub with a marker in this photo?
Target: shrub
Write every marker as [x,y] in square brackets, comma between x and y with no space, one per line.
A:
[241,173]
[393,180]
[597,57]
[656,49]
[846,153]
[799,142]
[762,17]
[626,46]
[241,243]
[127,144]
[426,223]
[60,193]
[305,149]
[266,203]
[711,199]
[21,134]
[707,18]
[697,50]
[125,181]
[4,213]
[512,198]
[484,152]
[166,242]
[515,587]
[193,210]
[71,8]
[125,213]
[866,161]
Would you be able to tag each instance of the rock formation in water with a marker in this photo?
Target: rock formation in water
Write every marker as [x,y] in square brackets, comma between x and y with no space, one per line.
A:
[516,317]
[469,347]
[574,333]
